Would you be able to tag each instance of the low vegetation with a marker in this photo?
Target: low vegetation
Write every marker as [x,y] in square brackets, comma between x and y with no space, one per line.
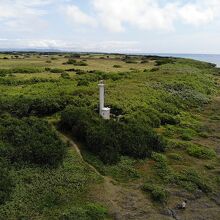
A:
[155,137]
[201,152]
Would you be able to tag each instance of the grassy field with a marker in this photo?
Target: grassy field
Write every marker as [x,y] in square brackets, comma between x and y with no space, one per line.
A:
[177,98]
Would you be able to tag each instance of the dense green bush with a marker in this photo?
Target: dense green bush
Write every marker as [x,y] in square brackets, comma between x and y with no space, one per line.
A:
[4,72]
[139,141]
[20,70]
[81,63]
[200,152]
[190,95]
[168,119]
[123,171]
[163,61]
[158,193]
[146,116]
[117,66]
[30,140]
[191,180]
[75,62]
[15,82]
[155,69]
[6,182]
[56,70]
[90,212]
[82,82]
[162,168]
[103,138]
[25,106]
[109,138]
[71,61]
[175,156]
[65,75]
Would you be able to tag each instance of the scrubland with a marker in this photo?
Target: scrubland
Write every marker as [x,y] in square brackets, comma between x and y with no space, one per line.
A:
[162,142]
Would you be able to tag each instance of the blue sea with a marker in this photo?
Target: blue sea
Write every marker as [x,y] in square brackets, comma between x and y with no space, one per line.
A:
[211,58]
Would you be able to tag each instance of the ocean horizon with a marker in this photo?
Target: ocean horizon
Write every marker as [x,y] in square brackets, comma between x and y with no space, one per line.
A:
[210,58]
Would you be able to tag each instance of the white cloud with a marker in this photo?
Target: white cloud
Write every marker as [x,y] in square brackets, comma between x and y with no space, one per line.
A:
[144,14]
[23,15]
[149,14]
[78,17]
[112,46]
[192,14]
[103,46]
[116,15]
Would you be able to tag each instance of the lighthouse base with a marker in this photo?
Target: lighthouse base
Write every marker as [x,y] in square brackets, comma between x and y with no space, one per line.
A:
[105,113]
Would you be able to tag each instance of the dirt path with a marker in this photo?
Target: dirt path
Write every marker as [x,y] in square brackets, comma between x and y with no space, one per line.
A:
[68,140]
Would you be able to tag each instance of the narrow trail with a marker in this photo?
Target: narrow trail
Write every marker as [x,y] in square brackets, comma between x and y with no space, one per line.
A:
[124,202]
[68,140]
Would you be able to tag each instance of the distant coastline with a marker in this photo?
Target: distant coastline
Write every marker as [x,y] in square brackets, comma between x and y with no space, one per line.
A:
[211,58]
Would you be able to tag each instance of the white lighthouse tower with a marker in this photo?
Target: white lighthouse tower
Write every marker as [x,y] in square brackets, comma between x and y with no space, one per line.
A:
[103,111]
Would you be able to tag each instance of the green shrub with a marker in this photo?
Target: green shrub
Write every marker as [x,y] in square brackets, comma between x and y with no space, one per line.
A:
[71,61]
[145,116]
[102,137]
[124,170]
[26,70]
[175,156]
[158,193]
[168,119]
[25,106]
[76,63]
[96,212]
[82,82]
[189,94]
[192,181]
[65,75]
[204,134]
[75,55]
[155,69]
[187,134]
[117,66]
[4,72]
[6,182]
[201,152]
[90,212]
[144,61]
[74,214]
[31,140]
[109,138]
[163,61]
[162,168]
[81,63]
[138,141]
[56,70]
[209,166]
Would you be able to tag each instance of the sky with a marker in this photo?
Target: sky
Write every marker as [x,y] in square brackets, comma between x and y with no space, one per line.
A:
[131,26]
